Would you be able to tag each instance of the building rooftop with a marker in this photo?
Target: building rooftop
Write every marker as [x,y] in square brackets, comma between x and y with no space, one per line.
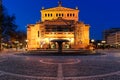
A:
[59,8]
[112,30]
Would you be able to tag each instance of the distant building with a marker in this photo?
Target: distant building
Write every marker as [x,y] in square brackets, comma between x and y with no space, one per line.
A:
[58,23]
[112,36]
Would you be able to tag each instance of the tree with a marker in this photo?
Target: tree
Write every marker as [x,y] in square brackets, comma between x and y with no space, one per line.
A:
[19,36]
[1,19]
[7,25]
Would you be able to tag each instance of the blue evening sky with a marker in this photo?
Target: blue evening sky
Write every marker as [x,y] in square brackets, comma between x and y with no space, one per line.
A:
[100,14]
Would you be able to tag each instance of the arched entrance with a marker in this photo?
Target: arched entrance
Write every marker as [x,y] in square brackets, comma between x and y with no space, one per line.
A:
[59,42]
[53,45]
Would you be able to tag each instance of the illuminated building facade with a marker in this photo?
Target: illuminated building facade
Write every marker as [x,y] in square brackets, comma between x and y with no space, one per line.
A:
[112,36]
[58,23]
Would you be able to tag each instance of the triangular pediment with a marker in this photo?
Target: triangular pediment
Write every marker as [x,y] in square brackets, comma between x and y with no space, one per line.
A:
[59,9]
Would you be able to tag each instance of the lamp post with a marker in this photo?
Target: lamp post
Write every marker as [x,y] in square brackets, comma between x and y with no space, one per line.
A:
[119,45]
[92,41]
[103,42]
[98,45]
[26,44]
[16,44]
[116,44]
[1,41]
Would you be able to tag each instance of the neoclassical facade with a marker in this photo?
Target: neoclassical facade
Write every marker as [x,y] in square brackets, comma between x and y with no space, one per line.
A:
[58,23]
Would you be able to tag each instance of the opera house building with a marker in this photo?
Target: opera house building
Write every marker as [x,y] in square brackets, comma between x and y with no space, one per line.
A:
[58,23]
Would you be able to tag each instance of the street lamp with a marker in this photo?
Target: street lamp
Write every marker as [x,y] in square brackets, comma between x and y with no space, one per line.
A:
[98,44]
[103,42]
[119,45]
[26,44]
[92,41]
[26,40]
[16,44]
[116,44]
[1,39]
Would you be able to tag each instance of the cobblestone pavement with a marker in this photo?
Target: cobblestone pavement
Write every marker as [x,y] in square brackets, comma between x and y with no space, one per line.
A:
[93,67]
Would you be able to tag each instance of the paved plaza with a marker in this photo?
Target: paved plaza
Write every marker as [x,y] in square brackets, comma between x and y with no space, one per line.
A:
[87,67]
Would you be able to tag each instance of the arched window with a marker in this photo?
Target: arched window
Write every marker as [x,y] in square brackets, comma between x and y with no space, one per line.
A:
[62,14]
[70,15]
[56,15]
[45,15]
[51,15]
[59,15]
[73,14]
[67,15]
[48,15]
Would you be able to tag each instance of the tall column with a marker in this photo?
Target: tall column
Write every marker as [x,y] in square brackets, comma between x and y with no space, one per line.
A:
[59,47]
